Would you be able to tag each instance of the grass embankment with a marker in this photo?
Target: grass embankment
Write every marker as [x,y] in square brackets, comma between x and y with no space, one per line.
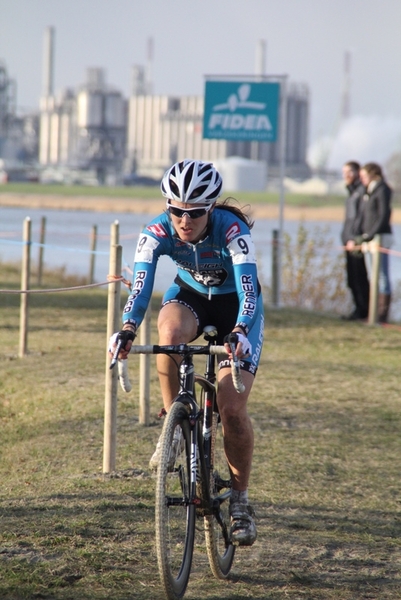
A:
[325,483]
[150,192]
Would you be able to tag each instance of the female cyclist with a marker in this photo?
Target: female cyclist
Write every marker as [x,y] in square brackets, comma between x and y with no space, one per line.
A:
[216,284]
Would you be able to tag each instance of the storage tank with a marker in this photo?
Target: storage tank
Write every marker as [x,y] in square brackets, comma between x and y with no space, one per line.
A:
[241,174]
[89,109]
[114,110]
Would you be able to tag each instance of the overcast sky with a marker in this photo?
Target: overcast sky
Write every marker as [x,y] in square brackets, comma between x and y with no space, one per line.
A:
[306,39]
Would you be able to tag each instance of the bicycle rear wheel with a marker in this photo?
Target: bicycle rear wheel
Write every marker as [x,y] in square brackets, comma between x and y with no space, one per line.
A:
[175,514]
[217,525]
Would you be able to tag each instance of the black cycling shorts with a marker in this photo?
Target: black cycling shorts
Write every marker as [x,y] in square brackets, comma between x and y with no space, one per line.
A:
[222,312]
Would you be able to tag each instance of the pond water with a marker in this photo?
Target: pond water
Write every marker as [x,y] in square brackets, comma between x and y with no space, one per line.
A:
[68,236]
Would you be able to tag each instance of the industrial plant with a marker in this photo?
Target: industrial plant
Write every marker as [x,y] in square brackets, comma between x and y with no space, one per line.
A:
[92,134]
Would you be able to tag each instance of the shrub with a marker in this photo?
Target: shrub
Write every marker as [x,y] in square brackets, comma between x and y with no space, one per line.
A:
[313,272]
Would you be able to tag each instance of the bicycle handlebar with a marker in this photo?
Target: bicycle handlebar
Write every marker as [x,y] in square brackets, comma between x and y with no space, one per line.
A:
[180,349]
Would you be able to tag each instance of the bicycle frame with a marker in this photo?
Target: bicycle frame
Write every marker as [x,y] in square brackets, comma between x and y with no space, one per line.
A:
[187,395]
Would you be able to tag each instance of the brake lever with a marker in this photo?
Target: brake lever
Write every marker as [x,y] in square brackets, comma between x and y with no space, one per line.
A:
[116,353]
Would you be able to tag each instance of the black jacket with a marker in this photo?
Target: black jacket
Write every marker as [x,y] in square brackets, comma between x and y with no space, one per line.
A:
[376,211]
[352,222]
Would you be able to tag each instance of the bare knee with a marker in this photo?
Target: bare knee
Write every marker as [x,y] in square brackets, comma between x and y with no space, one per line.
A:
[234,417]
[170,333]
[176,324]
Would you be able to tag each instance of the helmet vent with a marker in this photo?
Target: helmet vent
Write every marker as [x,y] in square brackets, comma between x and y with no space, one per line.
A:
[174,188]
[205,167]
[216,192]
[188,177]
[198,192]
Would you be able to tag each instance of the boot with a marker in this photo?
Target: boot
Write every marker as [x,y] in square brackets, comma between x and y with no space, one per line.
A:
[383,307]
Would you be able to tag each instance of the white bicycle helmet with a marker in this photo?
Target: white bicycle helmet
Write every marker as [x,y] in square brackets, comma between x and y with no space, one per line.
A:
[192,182]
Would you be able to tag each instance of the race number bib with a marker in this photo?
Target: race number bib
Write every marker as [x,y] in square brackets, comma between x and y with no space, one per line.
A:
[145,248]
[242,250]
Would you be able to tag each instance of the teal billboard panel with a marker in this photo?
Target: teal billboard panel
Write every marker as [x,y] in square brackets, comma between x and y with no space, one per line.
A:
[236,110]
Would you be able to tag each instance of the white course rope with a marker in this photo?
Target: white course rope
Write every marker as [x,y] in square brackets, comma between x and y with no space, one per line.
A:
[113,279]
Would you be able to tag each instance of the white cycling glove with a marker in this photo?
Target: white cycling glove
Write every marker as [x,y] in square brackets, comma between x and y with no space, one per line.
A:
[125,335]
[113,341]
[246,345]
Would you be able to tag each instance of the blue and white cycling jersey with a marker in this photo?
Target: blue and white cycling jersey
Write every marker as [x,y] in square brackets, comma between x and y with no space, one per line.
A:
[222,263]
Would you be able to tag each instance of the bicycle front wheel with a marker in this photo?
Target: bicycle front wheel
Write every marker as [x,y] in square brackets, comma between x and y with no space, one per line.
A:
[175,513]
[220,551]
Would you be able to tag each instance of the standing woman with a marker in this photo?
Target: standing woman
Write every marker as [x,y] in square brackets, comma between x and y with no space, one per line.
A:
[375,219]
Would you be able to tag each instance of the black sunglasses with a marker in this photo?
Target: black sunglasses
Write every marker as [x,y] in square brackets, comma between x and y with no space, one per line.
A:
[192,213]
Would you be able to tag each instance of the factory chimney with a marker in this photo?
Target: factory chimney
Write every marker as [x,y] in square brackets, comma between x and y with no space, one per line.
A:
[149,68]
[345,101]
[260,60]
[48,62]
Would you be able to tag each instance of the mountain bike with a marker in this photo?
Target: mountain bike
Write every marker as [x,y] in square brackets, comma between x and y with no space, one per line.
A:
[193,478]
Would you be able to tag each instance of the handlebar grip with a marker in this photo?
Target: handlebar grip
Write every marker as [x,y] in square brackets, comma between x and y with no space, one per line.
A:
[235,367]
[123,375]
[236,372]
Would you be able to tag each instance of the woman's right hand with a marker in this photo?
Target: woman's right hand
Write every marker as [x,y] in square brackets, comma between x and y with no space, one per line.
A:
[125,337]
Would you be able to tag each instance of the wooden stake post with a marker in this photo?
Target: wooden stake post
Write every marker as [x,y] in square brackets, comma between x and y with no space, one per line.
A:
[25,272]
[41,249]
[275,268]
[92,256]
[144,372]
[113,325]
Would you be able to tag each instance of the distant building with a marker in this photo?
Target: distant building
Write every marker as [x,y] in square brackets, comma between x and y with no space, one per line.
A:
[7,105]
[85,129]
[164,129]
[94,129]
[18,134]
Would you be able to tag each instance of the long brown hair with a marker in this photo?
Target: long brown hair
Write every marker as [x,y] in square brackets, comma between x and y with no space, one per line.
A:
[239,211]
[374,170]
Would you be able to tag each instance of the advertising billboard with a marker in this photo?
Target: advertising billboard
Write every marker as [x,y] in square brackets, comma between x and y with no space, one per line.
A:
[241,111]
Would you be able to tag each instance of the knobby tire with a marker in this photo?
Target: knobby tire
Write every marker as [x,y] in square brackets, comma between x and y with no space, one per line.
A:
[175,516]
[220,553]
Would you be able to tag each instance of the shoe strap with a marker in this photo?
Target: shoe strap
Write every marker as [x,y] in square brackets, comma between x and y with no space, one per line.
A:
[241,512]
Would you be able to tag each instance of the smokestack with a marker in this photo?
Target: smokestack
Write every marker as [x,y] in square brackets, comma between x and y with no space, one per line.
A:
[48,62]
[260,61]
[345,104]
[138,86]
[149,69]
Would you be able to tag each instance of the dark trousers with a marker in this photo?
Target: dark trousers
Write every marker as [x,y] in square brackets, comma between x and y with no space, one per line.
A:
[358,282]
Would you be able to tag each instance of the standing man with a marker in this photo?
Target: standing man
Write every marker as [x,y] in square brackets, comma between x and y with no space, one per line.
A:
[357,277]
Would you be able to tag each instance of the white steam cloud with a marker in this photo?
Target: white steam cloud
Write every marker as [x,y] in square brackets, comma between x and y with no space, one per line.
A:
[361,138]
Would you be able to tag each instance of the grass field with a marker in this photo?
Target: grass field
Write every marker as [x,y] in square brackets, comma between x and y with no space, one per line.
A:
[326,473]
[154,192]
[125,199]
